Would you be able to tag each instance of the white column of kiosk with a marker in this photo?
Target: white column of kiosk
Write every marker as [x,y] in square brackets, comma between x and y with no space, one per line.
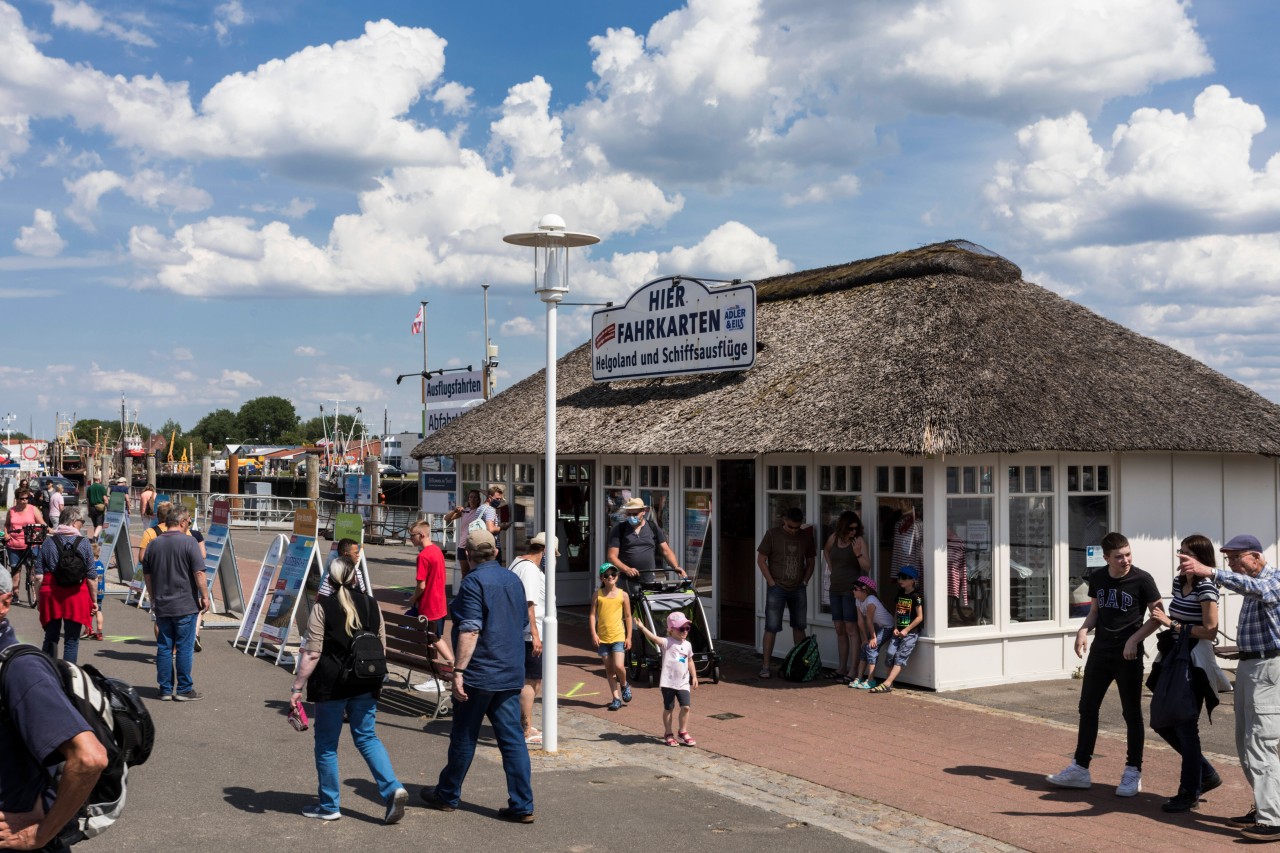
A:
[551,244]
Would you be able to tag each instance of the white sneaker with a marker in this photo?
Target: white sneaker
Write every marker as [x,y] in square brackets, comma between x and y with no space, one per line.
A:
[1073,776]
[1130,782]
[427,687]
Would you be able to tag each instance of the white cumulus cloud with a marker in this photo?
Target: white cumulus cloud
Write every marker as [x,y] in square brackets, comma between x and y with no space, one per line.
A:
[41,237]
[148,187]
[1161,174]
[307,351]
[519,326]
[85,18]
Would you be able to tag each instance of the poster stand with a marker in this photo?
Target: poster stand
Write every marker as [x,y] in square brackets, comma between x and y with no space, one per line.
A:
[114,541]
[299,556]
[346,525]
[266,574]
[220,563]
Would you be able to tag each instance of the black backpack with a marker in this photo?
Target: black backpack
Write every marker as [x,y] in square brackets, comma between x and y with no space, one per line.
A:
[802,663]
[366,662]
[115,713]
[71,570]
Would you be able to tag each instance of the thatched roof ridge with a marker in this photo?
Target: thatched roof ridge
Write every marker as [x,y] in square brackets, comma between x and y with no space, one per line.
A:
[945,363]
[954,257]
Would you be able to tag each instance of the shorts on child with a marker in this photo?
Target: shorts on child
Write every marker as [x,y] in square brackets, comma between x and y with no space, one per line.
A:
[844,608]
[869,654]
[532,663]
[793,600]
[605,649]
[435,626]
[900,649]
[670,696]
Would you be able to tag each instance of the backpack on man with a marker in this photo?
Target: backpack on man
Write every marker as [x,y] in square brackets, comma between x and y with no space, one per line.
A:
[803,662]
[71,569]
[115,713]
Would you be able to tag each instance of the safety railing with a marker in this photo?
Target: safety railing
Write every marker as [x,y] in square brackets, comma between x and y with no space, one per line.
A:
[261,512]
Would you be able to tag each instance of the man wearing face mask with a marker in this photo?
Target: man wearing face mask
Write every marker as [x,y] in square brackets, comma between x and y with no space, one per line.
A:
[501,513]
[633,547]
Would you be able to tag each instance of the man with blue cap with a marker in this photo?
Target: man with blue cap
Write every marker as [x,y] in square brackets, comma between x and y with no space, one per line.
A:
[1257,704]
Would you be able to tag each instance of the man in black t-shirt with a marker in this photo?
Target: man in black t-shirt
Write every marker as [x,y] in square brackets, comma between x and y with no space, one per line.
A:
[39,728]
[1120,597]
[634,545]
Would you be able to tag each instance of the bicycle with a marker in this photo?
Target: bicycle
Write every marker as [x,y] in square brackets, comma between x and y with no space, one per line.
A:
[33,534]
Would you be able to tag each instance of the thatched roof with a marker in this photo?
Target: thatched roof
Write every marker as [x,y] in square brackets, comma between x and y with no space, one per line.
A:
[942,349]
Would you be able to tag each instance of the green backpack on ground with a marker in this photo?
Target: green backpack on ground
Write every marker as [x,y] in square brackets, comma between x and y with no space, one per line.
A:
[802,663]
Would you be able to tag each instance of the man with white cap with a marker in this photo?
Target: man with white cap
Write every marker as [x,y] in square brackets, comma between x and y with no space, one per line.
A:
[529,569]
[1257,704]
[634,544]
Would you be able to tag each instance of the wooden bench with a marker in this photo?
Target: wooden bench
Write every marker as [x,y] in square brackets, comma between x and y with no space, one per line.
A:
[410,644]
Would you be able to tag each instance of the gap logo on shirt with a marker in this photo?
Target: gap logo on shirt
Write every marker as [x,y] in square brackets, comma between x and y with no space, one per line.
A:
[1115,599]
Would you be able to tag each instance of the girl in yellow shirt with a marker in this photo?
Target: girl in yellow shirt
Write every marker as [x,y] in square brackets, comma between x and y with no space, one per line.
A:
[610,622]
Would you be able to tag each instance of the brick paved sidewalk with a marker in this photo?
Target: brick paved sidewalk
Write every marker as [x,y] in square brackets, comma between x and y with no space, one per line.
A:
[976,768]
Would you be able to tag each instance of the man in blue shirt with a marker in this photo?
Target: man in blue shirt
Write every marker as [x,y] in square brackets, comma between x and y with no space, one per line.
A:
[489,616]
[39,728]
[1257,702]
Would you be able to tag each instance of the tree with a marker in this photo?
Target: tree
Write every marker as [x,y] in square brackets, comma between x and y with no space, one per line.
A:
[217,428]
[267,419]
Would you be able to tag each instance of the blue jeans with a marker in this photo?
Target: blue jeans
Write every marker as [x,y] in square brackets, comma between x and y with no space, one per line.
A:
[871,655]
[502,707]
[70,630]
[794,600]
[362,711]
[177,639]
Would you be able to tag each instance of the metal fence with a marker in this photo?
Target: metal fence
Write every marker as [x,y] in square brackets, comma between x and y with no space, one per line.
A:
[261,512]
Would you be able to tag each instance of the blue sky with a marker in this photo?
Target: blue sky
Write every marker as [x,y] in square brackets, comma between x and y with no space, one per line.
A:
[206,202]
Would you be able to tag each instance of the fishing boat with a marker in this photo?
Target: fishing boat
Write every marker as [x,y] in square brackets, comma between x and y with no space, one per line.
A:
[67,460]
[131,440]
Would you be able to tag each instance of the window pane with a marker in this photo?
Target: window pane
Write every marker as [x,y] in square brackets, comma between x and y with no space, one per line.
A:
[917,479]
[802,477]
[1104,478]
[1015,479]
[953,479]
[855,478]
[1073,478]
[1046,478]
[1086,482]
[1029,477]
[696,552]
[786,477]
[1088,517]
[899,479]
[824,478]
[1030,559]
[968,561]
[773,477]
[841,482]
[970,479]
[882,478]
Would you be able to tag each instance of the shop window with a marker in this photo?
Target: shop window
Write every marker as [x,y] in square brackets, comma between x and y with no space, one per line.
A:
[617,491]
[899,530]
[838,486]
[969,553]
[786,478]
[1030,543]
[697,476]
[496,472]
[695,544]
[524,479]
[1088,520]
[655,476]
[471,481]
[785,489]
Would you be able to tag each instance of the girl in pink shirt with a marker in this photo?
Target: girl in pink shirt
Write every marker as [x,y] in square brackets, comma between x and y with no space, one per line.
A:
[679,675]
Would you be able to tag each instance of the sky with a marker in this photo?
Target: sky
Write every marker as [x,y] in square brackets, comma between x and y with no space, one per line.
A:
[201,203]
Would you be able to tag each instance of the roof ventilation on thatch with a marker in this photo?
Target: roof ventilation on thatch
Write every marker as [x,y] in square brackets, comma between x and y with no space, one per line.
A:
[954,257]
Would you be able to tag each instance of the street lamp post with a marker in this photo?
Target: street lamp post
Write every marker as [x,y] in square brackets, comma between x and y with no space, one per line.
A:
[551,244]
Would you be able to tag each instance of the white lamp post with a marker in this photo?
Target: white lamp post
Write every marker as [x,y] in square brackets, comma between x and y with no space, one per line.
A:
[551,244]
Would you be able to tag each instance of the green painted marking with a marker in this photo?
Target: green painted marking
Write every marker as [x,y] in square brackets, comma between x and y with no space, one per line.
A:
[574,692]
[114,639]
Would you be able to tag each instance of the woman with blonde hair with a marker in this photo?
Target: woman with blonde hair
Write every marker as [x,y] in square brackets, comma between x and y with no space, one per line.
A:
[335,623]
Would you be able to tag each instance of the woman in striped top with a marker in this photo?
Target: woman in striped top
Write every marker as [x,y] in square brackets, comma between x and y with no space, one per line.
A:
[1193,612]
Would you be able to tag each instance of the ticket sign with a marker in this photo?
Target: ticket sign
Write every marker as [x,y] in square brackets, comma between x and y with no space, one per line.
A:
[674,326]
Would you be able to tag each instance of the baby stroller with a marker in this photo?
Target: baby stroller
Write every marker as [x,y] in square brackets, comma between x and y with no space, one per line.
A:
[652,604]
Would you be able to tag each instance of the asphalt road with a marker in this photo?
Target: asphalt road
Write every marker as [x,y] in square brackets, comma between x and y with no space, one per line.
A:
[229,773]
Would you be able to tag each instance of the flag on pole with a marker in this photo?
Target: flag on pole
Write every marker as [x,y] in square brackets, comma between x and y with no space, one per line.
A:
[417,322]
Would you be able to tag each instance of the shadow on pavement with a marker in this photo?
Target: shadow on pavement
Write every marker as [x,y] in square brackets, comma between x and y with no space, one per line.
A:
[289,802]
[140,657]
[1087,802]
